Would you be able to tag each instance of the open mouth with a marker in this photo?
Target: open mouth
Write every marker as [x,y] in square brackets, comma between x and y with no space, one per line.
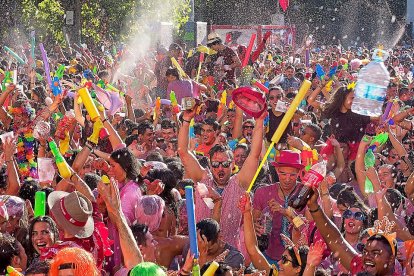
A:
[369,265]
[41,244]
[351,224]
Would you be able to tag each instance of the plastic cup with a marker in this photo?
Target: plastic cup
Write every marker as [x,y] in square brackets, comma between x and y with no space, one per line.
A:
[42,129]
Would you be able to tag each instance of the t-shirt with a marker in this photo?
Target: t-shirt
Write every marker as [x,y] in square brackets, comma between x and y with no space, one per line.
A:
[349,126]
[181,88]
[228,54]
[274,122]
[260,203]
[204,149]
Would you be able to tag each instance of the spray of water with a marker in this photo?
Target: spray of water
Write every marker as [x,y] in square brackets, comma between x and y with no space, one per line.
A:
[149,32]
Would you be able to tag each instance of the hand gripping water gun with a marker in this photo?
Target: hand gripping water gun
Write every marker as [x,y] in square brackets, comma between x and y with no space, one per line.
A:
[62,130]
[157,108]
[174,103]
[89,105]
[321,74]
[63,167]
[11,271]
[192,231]
[379,140]
[56,88]
[99,131]
[260,85]
[7,79]
[178,66]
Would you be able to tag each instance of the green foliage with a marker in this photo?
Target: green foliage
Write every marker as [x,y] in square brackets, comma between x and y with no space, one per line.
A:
[47,18]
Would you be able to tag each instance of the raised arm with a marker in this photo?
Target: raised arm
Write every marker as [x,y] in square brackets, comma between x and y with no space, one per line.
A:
[259,261]
[13,182]
[192,168]
[130,251]
[340,160]
[360,166]
[238,122]
[333,238]
[249,168]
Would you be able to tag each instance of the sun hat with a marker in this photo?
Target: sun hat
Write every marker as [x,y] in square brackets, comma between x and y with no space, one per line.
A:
[73,212]
[213,37]
[288,158]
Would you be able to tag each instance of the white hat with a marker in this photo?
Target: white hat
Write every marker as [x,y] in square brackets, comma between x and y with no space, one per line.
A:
[212,37]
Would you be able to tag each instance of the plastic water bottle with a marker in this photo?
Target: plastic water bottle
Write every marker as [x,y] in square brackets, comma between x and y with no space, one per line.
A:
[311,179]
[371,87]
[267,221]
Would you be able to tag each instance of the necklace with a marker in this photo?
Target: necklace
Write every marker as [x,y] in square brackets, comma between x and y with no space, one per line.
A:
[26,163]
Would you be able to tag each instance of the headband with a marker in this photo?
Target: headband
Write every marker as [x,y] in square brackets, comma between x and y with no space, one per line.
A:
[383,228]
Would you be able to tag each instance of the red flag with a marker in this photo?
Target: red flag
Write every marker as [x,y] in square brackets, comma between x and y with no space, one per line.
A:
[284,4]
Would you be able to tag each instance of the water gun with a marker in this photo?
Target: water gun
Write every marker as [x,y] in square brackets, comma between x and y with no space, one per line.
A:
[309,157]
[60,71]
[101,84]
[191,131]
[62,131]
[174,103]
[11,271]
[88,74]
[16,56]
[211,270]
[63,167]
[157,108]
[223,103]
[7,79]
[99,132]
[369,161]
[379,140]
[105,179]
[40,204]
[88,102]
[56,87]
[199,66]
[260,85]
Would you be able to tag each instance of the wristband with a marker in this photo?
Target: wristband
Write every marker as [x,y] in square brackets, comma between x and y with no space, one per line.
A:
[316,210]
[104,120]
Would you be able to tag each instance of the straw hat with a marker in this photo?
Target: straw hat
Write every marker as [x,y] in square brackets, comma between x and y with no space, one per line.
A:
[212,37]
[73,212]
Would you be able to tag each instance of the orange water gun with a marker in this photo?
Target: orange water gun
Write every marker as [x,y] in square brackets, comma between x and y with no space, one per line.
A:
[157,108]
[11,271]
[223,103]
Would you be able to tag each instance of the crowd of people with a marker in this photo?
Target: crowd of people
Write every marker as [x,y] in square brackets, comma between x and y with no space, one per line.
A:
[119,208]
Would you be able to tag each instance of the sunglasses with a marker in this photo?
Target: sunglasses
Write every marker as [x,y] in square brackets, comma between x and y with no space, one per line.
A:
[357,215]
[216,164]
[275,97]
[285,259]
[246,127]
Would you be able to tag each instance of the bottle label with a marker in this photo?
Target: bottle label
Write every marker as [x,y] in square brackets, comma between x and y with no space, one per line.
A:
[370,91]
[312,179]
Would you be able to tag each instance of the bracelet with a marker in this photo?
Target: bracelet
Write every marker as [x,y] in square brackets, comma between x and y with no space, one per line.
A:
[298,222]
[184,272]
[316,210]
[104,120]
[186,121]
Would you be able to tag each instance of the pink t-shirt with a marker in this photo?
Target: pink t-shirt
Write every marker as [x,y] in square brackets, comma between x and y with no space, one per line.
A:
[231,216]
[260,202]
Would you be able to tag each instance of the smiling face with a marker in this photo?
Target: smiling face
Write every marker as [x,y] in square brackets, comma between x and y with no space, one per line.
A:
[352,221]
[385,176]
[116,171]
[42,236]
[348,101]
[208,134]
[274,96]
[376,258]
[287,177]
[285,265]
[221,166]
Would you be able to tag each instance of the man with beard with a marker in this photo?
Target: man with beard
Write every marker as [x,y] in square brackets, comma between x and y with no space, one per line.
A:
[220,177]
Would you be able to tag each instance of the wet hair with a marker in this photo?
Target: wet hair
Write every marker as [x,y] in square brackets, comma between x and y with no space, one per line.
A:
[220,148]
[131,138]
[332,107]
[209,228]
[172,72]
[142,127]
[154,156]
[395,198]
[8,249]
[316,130]
[213,123]
[185,182]
[128,163]
[167,123]
[139,231]
[40,92]
[382,239]
[222,270]
[38,267]
[29,189]
[303,255]
[92,180]
[243,146]
[53,229]
[167,177]
[348,198]
[177,169]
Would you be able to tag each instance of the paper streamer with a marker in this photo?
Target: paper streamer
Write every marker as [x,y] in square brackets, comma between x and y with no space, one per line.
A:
[282,126]
[192,231]
[249,50]
[16,56]
[46,64]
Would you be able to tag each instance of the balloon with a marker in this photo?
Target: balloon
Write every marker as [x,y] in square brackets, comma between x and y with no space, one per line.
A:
[45,64]
[249,50]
